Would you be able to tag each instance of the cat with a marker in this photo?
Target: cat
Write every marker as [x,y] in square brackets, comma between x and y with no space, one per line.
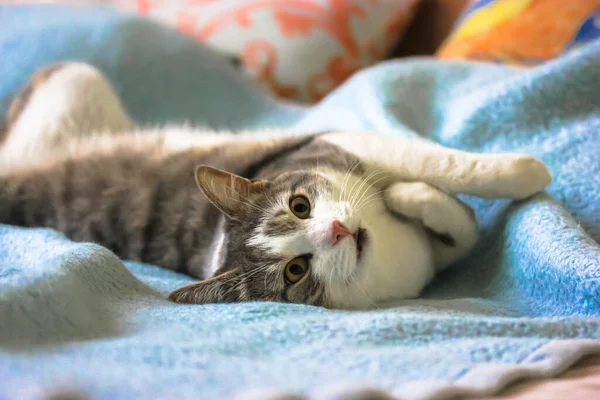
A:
[335,219]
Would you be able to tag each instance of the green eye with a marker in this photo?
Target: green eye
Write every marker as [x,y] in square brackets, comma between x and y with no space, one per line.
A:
[296,269]
[300,207]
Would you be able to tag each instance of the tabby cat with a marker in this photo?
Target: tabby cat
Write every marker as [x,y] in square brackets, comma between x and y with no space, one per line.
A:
[335,219]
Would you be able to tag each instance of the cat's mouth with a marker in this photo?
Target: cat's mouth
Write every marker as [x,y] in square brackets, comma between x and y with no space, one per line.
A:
[360,238]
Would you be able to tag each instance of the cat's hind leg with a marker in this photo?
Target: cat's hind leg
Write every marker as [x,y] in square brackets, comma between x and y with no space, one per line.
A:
[60,102]
[450,223]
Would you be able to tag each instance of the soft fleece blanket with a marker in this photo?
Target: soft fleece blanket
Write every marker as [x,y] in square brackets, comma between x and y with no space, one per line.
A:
[525,303]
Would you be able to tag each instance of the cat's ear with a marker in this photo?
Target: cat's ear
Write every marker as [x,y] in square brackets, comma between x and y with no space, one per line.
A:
[225,288]
[228,192]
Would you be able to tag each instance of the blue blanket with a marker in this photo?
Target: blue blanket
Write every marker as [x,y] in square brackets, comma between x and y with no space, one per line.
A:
[525,303]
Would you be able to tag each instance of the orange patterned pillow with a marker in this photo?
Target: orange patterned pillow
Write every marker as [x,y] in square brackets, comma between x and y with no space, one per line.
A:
[522,32]
[298,49]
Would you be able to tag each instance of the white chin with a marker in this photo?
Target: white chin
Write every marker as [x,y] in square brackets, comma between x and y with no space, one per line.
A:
[397,263]
[340,267]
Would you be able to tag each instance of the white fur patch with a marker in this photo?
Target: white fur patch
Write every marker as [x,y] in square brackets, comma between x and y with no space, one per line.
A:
[217,249]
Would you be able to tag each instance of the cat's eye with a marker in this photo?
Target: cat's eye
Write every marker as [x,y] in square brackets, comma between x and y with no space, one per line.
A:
[300,206]
[296,269]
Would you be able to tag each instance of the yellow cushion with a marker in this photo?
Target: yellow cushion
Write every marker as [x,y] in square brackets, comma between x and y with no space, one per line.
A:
[522,32]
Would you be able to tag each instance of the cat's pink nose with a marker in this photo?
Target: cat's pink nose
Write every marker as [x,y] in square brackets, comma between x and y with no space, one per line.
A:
[338,231]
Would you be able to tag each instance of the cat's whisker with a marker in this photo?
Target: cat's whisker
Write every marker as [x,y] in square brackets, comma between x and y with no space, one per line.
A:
[366,196]
[353,186]
[367,203]
[370,185]
[349,172]
[347,288]
[262,268]
[351,192]
[265,282]
[245,276]
[248,275]
[373,197]
[352,280]
[366,181]
[331,276]
[237,277]
[365,294]
[274,205]
[360,196]
[364,201]
[346,180]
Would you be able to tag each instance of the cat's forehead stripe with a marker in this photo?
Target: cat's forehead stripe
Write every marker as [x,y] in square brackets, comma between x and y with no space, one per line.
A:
[262,257]
[299,180]
[303,183]
[309,183]
[281,226]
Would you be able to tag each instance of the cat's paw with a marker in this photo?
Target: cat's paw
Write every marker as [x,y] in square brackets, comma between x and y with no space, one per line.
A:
[449,222]
[521,176]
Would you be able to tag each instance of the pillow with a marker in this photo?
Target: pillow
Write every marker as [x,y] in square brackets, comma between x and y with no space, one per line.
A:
[298,49]
[522,32]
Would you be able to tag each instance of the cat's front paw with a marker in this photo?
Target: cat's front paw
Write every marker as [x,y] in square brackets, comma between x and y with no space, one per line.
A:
[449,222]
[523,176]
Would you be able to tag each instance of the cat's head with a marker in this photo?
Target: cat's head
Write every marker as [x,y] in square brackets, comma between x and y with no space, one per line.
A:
[317,238]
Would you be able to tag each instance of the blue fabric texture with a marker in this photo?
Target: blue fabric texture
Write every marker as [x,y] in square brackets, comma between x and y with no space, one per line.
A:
[73,315]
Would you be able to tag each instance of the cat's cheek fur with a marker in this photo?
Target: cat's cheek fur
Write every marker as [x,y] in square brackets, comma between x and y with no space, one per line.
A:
[401,263]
